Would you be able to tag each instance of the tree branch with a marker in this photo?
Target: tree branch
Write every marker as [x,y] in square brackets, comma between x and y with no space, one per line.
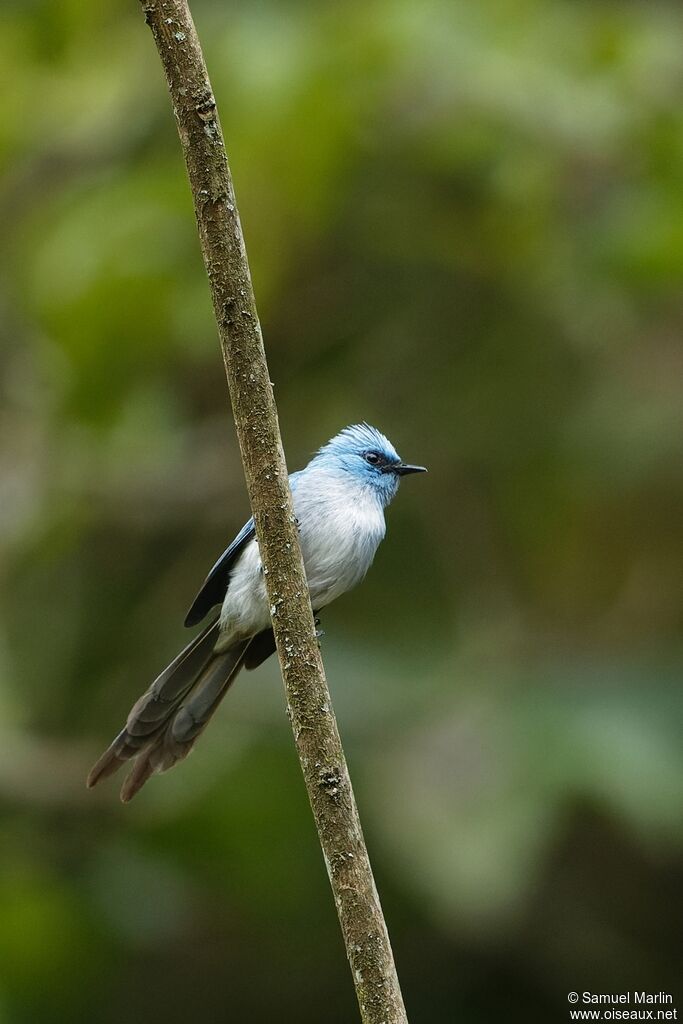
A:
[308,699]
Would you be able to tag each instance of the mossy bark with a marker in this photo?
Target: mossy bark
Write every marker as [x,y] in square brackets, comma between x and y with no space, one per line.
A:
[251,392]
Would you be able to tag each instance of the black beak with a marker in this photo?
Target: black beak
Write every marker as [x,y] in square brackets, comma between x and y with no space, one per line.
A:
[403,470]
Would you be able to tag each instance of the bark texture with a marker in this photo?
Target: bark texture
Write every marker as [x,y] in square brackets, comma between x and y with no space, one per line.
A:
[308,699]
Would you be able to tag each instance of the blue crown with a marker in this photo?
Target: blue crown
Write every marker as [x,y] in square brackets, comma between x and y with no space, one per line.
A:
[360,437]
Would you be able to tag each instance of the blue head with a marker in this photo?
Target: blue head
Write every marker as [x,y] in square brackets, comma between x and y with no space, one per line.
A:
[369,457]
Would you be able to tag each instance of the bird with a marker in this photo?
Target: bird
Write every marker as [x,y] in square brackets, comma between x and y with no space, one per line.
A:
[339,501]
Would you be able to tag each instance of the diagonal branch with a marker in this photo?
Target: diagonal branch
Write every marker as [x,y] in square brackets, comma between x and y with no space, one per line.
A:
[308,699]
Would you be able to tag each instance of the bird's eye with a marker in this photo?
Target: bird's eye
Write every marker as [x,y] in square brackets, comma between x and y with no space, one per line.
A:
[372,458]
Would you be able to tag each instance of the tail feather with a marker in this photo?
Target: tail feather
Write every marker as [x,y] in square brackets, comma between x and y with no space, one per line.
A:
[194,715]
[164,723]
[176,740]
[150,712]
[172,685]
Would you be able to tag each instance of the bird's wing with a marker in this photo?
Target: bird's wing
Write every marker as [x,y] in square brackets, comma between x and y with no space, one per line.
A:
[215,586]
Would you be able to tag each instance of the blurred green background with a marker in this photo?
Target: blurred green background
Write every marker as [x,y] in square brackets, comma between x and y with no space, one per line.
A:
[465,223]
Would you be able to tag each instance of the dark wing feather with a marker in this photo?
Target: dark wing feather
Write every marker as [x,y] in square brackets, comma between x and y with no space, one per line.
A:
[260,648]
[215,586]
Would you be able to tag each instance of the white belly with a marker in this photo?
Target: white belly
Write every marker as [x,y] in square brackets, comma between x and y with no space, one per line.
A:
[338,549]
[245,607]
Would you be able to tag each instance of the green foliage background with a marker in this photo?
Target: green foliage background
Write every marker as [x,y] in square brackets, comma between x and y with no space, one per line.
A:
[465,222]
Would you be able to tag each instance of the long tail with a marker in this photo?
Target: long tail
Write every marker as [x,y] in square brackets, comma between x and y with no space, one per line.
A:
[164,724]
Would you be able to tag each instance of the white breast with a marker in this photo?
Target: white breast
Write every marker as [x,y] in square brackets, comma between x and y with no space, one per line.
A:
[340,528]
